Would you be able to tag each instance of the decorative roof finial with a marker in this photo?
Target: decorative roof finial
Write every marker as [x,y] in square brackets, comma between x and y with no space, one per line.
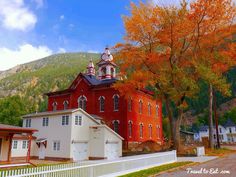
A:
[91,68]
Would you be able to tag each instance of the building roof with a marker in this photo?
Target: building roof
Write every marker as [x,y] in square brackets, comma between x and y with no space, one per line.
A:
[203,128]
[229,123]
[16,129]
[186,132]
[92,80]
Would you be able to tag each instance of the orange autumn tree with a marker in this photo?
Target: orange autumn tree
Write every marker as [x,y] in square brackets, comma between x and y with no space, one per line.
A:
[169,50]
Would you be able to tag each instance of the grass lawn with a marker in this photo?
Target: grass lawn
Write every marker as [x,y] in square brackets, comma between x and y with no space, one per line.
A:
[155,170]
[219,152]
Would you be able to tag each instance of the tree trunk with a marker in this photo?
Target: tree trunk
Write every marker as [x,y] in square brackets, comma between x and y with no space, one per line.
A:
[211,140]
[170,117]
[216,119]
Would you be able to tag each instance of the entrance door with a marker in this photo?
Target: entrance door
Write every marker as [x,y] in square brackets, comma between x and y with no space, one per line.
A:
[112,151]
[42,151]
[80,151]
[0,148]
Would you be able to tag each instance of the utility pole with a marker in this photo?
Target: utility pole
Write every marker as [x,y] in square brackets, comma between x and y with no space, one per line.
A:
[216,119]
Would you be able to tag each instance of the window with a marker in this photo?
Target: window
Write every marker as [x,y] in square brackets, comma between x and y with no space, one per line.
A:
[230,130]
[130,102]
[149,109]
[66,104]
[140,106]
[54,106]
[65,120]
[116,126]
[130,128]
[14,144]
[102,103]
[157,110]
[24,144]
[150,130]
[158,132]
[45,121]
[28,123]
[220,130]
[116,102]
[78,120]
[56,145]
[141,130]
[214,136]
[82,102]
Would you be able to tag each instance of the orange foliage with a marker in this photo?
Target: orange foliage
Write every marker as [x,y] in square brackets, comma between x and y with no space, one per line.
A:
[171,48]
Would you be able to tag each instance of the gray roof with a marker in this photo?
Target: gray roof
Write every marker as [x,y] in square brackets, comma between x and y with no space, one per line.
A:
[94,81]
[229,123]
[203,128]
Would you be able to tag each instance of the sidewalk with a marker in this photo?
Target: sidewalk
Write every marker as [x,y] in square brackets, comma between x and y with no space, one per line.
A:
[200,159]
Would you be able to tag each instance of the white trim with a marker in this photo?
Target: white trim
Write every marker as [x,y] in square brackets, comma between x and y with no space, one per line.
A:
[81,97]
[130,121]
[115,95]
[115,120]
[101,97]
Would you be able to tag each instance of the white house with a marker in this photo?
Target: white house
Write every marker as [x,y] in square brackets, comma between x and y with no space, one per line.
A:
[72,134]
[227,133]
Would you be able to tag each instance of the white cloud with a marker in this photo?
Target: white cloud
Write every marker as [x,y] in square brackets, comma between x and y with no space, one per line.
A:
[62,17]
[15,15]
[23,54]
[61,50]
[39,3]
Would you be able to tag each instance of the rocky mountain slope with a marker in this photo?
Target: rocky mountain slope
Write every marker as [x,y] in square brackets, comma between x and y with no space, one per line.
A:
[52,73]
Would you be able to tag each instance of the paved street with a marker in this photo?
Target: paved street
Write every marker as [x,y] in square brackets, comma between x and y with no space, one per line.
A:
[221,167]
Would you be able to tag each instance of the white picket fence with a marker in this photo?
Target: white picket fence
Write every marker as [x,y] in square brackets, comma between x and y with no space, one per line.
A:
[122,165]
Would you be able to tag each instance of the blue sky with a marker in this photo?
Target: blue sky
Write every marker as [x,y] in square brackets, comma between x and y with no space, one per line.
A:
[32,29]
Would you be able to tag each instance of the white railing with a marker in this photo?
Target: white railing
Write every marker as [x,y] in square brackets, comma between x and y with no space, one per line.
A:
[122,165]
[200,151]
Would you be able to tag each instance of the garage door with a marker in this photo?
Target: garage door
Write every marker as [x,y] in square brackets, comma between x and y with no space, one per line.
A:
[112,150]
[80,151]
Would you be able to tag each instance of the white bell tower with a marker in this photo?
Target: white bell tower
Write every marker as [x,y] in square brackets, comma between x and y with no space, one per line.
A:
[106,66]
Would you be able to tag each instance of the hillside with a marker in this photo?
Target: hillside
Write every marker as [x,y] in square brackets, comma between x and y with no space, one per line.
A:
[52,73]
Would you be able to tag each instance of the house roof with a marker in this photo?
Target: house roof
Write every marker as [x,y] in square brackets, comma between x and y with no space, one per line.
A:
[186,132]
[60,112]
[203,128]
[16,129]
[229,123]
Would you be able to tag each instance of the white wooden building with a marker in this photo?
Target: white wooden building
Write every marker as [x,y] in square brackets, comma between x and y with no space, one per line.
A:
[72,134]
[227,133]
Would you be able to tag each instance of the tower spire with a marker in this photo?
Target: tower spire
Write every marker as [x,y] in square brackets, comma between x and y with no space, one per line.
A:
[91,68]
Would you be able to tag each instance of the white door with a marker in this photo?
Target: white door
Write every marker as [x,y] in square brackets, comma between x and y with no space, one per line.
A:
[80,151]
[112,151]
[41,151]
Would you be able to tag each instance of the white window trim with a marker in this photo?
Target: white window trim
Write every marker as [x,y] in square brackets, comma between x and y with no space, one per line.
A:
[58,145]
[115,95]
[100,103]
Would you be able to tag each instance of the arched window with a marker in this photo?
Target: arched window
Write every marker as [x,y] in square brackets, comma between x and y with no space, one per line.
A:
[116,102]
[130,102]
[141,130]
[82,102]
[54,106]
[116,126]
[140,106]
[157,110]
[150,130]
[158,131]
[130,128]
[102,103]
[149,109]
[66,104]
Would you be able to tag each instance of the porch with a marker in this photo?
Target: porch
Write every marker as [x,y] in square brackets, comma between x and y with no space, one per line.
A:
[7,134]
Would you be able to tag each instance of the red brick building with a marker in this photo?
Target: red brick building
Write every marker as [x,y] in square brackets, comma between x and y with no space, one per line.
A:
[136,119]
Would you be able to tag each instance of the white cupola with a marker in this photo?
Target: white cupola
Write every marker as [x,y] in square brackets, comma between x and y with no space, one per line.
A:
[91,68]
[106,66]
